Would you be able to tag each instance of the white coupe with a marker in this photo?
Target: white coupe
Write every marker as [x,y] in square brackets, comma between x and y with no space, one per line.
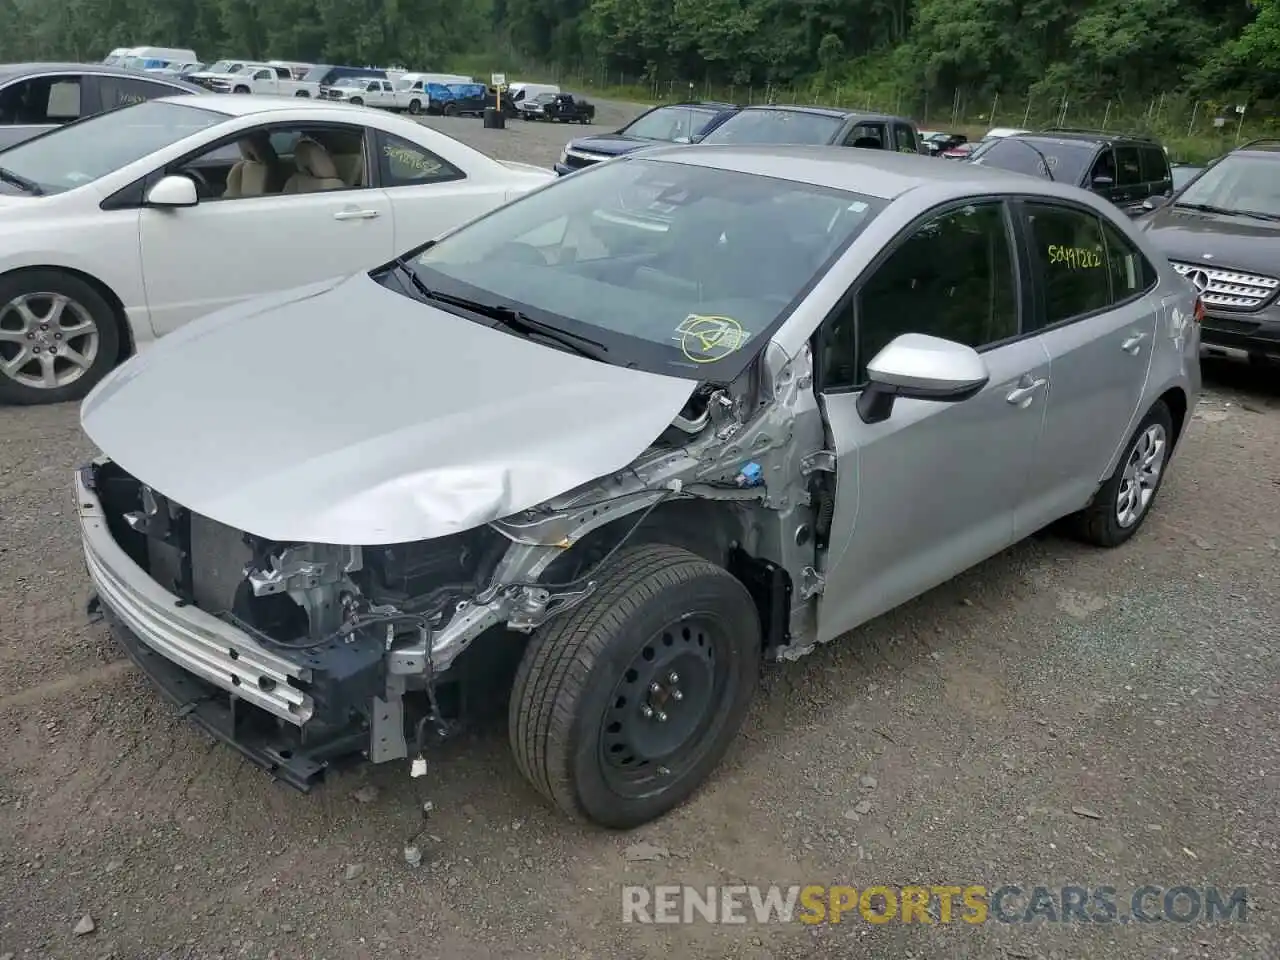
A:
[123,226]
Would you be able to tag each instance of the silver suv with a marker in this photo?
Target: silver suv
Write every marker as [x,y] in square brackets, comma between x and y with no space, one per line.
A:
[624,439]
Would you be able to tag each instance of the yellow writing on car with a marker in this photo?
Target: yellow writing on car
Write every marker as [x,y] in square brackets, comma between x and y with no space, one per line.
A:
[711,337]
[411,159]
[1077,258]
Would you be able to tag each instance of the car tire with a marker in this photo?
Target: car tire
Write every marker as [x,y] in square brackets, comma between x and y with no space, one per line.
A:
[241,89]
[65,302]
[356,102]
[415,107]
[587,729]
[449,110]
[1122,503]
[302,93]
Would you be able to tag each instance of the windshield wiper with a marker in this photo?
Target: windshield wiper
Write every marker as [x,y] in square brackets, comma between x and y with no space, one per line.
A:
[22,183]
[509,317]
[1209,208]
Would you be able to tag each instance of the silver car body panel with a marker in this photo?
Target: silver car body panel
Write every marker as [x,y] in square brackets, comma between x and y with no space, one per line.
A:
[464,425]
[453,424]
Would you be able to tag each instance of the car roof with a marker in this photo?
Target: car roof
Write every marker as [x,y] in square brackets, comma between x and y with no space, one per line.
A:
[884,174]
[1086,136]
[244,104]
[837,112]
[10,70]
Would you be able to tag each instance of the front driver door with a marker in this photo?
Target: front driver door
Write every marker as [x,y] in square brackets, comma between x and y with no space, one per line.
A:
[200,259]
[936,487]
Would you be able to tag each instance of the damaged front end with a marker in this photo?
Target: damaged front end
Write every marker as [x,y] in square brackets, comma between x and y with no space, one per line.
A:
[301,653]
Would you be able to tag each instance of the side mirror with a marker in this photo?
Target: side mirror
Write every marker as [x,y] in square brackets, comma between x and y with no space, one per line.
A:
[1154,203]
[173,191]
[697,138]
[683,140]
[920,367]
[1104,181]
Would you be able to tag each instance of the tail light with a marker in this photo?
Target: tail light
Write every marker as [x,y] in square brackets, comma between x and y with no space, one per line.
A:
[1198,312]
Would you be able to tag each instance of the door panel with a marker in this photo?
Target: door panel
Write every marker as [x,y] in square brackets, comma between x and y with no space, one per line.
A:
[931,491]
[199,259]
[937,486]
[1100,344]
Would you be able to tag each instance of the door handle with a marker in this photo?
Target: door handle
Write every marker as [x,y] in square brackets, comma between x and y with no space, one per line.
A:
[356,215]
[1133,344]
[1024,393]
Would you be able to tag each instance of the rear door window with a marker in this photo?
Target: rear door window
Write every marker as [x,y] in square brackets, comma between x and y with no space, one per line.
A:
[1155,166]
[1070,260]
[122,91]
[872,135]
[906,140]
[42,100]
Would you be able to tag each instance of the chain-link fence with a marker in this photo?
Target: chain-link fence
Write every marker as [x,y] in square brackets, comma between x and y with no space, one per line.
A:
[1192,129]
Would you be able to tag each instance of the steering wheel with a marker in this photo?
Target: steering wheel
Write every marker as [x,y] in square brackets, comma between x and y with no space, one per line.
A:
[519,252]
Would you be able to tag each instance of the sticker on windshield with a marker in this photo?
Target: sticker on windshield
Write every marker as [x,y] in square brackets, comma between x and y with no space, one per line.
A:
[705,339]
[1077,258]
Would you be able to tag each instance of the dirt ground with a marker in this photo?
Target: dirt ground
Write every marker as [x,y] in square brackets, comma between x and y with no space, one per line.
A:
[946,743]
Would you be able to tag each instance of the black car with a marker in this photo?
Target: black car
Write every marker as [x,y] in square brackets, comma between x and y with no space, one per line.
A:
[35,97]
[938,142]
[668,123]
[1127,170]
[558,108]
[815,125]
[1222,232]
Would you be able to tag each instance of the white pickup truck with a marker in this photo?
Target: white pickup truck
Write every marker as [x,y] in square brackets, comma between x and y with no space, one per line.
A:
[373,92]
[256,78]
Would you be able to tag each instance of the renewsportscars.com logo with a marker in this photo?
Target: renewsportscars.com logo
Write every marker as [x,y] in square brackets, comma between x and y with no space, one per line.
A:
[972,904]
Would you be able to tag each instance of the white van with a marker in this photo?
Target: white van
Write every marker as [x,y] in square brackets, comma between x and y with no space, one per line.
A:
[146,58]
[416,81]
[527,91]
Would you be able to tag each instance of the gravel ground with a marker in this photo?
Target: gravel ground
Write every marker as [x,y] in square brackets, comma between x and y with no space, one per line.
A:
[948,742]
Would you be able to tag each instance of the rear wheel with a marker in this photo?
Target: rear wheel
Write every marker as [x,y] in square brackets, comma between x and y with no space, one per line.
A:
[449,110]
[58,337]
[624,705]
[1123,502]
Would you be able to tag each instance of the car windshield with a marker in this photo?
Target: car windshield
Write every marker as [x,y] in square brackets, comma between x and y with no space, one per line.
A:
[351,81]
[545,97]
[776,126]
[1243,183]
[1183,175]
[1062,160]
[672,267]
[317,74]
[223,66]
[670,123]
[81,152]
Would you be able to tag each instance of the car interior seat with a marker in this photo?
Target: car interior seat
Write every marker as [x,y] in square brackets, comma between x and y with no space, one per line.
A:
[316,170]
[350,167]
[868,143]
[256,173]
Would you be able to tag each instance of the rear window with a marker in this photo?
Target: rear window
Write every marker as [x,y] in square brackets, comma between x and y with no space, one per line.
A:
[1062,160]
[776,126]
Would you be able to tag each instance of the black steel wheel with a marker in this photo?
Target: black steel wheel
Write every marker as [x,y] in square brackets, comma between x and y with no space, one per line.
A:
[624,705]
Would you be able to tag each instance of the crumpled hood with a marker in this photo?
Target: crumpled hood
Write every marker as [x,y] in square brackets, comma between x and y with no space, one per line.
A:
[345,412]
[1238,243]
[610,144]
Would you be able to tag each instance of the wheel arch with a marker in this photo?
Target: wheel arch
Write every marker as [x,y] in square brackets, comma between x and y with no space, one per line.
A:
[1175,398]
[127,341]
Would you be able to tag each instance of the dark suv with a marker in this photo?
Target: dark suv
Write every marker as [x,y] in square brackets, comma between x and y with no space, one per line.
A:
[1125,169]
[1222,232]
[816,125]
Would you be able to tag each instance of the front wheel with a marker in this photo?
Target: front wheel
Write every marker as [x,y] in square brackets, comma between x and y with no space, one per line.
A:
[1123,502]
[58,337]
[624,705]
[241,89]
[357,102]
[302,93]
[415,107]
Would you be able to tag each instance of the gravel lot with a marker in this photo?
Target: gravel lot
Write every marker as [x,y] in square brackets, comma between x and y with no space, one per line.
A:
[1140,685]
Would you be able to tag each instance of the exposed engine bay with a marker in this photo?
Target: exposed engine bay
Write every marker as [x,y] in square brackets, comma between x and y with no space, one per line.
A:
[382,643]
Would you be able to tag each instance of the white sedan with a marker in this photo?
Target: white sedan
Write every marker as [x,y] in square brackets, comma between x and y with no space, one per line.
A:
[122,227]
